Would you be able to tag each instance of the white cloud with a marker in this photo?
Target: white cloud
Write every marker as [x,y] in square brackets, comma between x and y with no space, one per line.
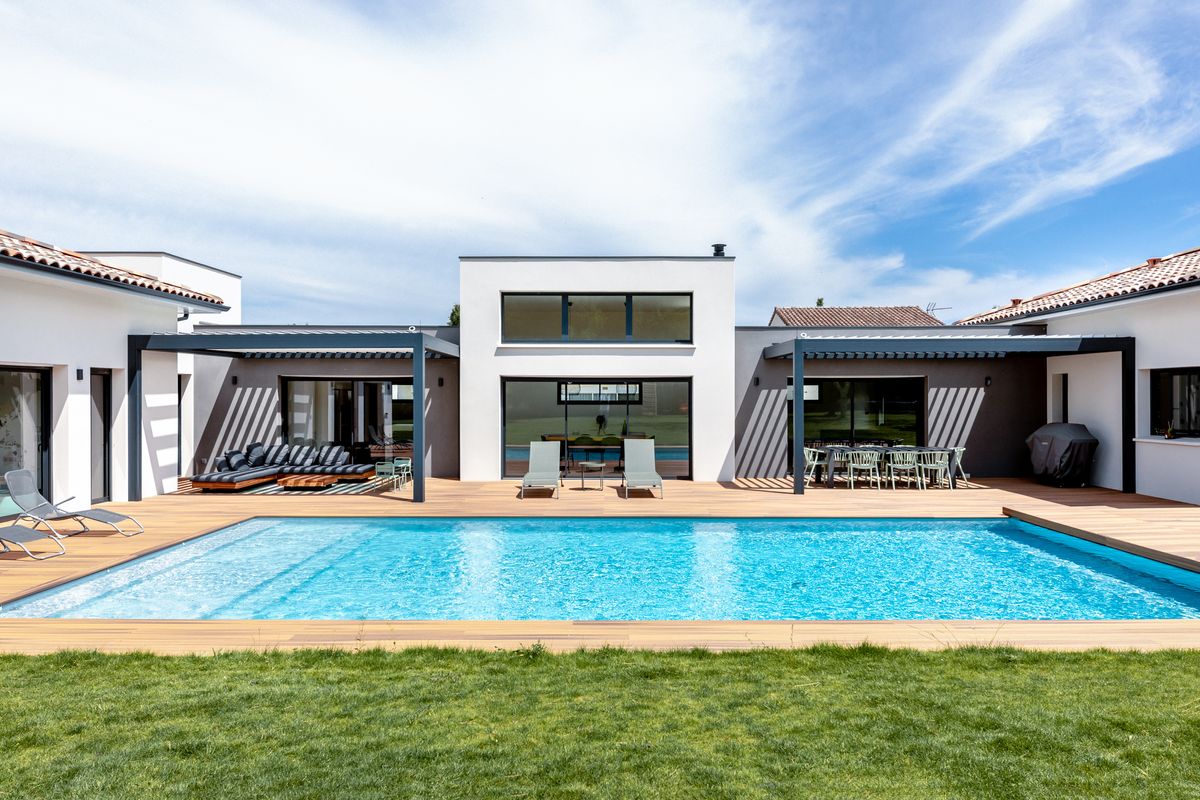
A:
[341,160]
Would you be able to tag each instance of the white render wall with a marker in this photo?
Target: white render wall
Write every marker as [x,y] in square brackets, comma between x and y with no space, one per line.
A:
[203,376]
[708,361]
[1167,329]
[69,325]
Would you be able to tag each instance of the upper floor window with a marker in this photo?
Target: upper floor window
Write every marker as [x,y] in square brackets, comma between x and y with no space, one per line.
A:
[598,318]
[1175,401]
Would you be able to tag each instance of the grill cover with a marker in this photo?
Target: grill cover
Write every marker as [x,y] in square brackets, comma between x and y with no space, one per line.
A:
[1062,453]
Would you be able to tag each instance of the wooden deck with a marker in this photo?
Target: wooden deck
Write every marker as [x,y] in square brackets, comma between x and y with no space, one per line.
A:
[1160,529]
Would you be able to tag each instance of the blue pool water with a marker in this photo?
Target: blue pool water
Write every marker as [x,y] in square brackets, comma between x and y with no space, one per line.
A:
[608,569]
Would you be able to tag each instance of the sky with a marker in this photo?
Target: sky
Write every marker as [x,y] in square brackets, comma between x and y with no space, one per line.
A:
[341,156]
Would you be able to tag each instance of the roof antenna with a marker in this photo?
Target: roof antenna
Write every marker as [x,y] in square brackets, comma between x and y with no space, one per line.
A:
[933,306]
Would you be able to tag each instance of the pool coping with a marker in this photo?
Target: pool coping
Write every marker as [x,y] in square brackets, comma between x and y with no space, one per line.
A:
[202,637]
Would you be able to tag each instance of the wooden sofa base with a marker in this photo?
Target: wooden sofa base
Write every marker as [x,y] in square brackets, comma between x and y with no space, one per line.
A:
[220,486]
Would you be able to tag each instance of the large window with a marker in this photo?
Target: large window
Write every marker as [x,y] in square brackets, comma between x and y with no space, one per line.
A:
[864,410]
[378,413]
[601,317]
[1175,401]
[24,428]
[592,419]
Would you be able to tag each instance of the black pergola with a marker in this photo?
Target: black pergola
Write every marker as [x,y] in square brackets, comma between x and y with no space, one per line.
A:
[238,341]
[953,347]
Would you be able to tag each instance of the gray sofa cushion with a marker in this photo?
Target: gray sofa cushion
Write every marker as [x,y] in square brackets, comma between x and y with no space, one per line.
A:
[236,476]
[342,459]
[302,456]
[277,455]
[328,454]
[222,465]
[237,460]
[256,454]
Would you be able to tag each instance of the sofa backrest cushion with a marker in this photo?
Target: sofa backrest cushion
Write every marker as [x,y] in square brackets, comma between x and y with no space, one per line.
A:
[277,455]
[222,465]
[236,459]
[256,454]
[342,459]
[303,456]
[327,455]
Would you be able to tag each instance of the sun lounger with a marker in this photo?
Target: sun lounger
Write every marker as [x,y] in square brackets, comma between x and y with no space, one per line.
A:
[639,467]
[545,467]
[22,488]
[21,536]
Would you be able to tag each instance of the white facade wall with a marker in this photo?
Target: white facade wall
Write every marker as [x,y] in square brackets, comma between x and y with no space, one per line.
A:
[68,325]
[202,377]
[708,361]
[1167,329]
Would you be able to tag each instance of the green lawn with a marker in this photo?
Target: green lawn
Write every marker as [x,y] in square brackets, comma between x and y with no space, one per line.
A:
[825,722]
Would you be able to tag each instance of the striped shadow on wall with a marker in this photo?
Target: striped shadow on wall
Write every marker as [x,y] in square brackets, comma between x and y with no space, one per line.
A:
[253,415]
[762,451]
[952,412]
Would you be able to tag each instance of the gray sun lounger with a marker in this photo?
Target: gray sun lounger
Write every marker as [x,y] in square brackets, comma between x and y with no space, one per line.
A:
[22,488]
[639,467]
[21,536]
[545,467]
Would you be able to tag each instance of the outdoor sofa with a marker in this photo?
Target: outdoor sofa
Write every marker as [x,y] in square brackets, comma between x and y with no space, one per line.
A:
[257,464]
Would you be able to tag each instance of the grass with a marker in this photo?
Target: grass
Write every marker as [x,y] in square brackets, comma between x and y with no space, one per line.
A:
[823,722]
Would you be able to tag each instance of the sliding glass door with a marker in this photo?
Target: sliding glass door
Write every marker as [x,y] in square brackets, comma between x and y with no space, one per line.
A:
[864,410]
[592,418]
[376,413]
[24,428]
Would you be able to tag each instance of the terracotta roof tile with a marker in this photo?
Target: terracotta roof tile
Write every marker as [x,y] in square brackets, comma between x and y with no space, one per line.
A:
[22,248]
[1179,270]
[855,317]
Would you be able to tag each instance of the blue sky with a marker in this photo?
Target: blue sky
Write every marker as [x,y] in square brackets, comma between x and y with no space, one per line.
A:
[341,156]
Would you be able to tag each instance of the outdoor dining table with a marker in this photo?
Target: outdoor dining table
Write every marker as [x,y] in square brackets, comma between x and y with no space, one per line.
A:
[831,454]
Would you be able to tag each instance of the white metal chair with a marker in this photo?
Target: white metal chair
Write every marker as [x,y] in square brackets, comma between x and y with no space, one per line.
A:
[903,462]
[935,464]
[403,470]
[863,461]
[387,473]
[959,453]
[813,458]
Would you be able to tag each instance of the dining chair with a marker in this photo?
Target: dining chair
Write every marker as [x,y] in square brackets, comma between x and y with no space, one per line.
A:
[863,461]
[403,470]
[905,463]
[813,458]
[935,463]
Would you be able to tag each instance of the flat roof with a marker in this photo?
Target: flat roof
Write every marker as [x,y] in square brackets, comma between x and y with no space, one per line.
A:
[191,261]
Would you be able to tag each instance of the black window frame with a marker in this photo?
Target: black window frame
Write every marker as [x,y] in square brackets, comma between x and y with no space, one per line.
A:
[564,336]
[1158,426]
[284,380]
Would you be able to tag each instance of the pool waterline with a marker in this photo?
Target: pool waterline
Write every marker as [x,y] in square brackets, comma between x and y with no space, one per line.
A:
[628,569]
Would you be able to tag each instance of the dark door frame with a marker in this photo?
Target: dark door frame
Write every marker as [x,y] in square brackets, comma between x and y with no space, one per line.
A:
[107,418]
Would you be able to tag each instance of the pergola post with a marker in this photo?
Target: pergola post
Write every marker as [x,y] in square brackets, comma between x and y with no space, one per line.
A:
[798,416]
[418,462]
[1128,417]
[133,416]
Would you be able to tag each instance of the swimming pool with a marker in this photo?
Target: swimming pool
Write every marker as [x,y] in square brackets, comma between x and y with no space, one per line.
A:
[629,569]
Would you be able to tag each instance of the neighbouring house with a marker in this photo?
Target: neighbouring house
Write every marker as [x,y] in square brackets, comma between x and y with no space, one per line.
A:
[1156,304]
[115,358]
[852,317]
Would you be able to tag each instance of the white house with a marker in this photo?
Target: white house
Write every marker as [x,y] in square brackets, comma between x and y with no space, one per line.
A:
[1158,304]
[65,319]
[592,350]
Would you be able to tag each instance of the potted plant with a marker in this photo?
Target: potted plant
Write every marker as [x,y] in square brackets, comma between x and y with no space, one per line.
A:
[1169,433]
